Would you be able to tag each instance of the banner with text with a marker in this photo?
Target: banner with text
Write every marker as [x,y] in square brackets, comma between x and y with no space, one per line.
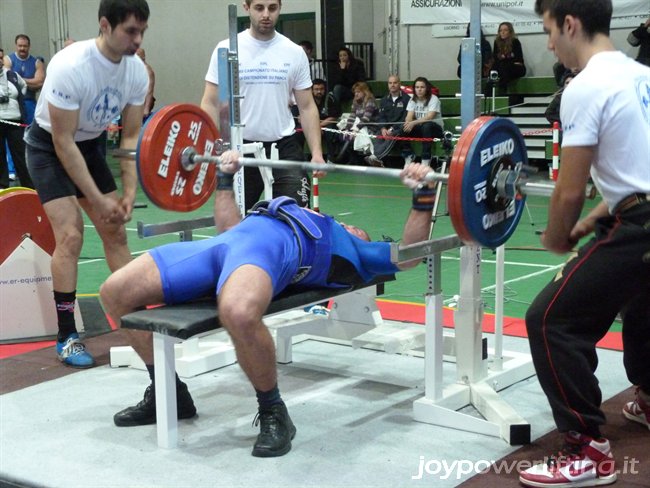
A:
[449,18]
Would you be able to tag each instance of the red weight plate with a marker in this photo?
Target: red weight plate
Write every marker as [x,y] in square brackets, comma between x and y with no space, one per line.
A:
[22,215]
[456,175]
[488,144]
[162,140]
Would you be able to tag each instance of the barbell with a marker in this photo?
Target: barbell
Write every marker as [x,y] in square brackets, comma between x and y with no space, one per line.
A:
[176,162]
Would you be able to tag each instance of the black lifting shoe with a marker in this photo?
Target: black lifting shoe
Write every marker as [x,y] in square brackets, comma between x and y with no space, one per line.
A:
[144,413]
[276,431]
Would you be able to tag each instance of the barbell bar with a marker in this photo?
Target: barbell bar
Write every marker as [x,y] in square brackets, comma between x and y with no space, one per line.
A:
[487,185]
[190,158]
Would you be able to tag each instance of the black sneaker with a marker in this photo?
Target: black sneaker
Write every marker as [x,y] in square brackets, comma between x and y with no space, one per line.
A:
[144,413]
[276,432]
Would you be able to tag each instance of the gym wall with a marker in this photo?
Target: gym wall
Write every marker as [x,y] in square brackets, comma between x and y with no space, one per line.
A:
[183,33]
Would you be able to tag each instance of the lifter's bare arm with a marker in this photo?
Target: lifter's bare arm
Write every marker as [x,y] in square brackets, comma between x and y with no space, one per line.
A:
[418,224]
[226,211]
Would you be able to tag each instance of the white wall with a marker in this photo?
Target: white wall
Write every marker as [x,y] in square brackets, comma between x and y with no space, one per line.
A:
[183,33]
[435,58]
[16,17]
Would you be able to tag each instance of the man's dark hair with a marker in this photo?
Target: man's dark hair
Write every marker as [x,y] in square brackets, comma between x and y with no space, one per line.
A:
[319,81]
[23,36]
[595,15]
[117,11]
[248,2]
[307,44]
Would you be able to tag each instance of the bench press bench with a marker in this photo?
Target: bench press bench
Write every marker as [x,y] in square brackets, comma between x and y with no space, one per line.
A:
[353,312]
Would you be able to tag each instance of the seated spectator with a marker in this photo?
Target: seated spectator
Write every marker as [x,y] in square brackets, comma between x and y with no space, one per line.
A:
[559,72]
[508,55]
[392,114]
[641,37]
[329,112]
[315,68]
[12,109]
[486,55]
[423,118]
[346,73]
[552,113]
[360,121]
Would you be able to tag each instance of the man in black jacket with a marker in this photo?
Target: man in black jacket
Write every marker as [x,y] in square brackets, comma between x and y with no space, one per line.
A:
[392,112]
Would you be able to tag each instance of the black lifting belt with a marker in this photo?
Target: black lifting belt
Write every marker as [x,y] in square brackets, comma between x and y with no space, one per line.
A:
[287,210]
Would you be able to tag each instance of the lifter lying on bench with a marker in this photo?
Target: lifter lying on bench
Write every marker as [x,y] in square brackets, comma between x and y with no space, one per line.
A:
[245,266]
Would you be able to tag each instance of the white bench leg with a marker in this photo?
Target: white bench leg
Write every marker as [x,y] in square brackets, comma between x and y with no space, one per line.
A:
[166,412]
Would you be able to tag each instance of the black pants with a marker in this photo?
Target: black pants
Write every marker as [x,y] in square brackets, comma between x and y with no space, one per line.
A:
[610,274]
[428,130]
[291,182]
[509,71]
[13,135]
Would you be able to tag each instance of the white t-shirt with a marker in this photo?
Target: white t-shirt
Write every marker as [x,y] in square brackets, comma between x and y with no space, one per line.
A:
[608,105]
[269,71]
[422,110]
[11,109]
[80,78]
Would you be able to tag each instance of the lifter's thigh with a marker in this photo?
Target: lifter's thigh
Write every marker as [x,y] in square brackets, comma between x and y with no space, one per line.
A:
[244,298]
[132,286]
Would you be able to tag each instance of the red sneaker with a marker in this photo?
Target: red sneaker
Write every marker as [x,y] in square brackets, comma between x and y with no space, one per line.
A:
[584,461]
[638,410]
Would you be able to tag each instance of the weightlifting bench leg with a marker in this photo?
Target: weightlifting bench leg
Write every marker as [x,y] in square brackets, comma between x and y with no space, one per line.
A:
[166,410]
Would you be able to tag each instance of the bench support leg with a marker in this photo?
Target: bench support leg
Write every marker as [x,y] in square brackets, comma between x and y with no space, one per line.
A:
[166,411]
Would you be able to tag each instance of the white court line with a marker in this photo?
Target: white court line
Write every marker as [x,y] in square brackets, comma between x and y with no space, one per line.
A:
[513,263]
[525,277]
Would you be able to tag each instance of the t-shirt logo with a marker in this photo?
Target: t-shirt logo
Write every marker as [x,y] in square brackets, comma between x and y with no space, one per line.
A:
[643,92]
[105,107]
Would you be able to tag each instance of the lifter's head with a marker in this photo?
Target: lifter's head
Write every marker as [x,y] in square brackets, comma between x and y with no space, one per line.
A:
[357,232]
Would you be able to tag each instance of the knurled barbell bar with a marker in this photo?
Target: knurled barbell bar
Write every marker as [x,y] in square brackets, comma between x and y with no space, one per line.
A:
[507,182]
[176,165]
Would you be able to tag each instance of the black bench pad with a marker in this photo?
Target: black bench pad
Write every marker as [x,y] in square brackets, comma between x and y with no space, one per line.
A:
[189,319]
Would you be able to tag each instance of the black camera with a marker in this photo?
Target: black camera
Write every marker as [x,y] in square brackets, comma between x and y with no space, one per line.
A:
[494,75]
[4,99]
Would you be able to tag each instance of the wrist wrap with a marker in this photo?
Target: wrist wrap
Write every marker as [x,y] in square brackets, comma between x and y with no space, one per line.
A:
[424,198]
[224,181]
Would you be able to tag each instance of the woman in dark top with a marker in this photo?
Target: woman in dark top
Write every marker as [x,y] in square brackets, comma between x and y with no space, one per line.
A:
[508,56]
[486,55]
[347,72]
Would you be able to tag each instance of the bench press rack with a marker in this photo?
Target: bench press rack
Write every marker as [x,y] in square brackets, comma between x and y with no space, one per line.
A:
[355,317]
[475,385]
[353,313]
